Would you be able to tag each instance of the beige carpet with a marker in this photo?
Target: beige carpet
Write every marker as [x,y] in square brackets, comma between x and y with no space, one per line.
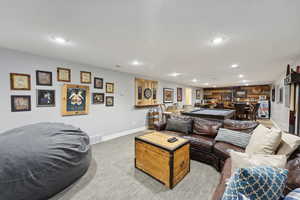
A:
[112,176]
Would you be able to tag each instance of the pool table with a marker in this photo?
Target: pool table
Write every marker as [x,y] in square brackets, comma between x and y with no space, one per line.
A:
[219,114]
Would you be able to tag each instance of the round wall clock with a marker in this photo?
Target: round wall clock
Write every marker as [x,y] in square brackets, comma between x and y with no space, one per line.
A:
[147,93]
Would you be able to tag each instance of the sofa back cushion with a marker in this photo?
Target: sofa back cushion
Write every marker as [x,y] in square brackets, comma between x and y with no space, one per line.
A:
[236,138]
[293,166]
[206,127]
[264,141]
[179,125]
[243,126]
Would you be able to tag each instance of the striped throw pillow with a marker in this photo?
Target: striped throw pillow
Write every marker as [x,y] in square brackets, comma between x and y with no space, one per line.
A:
[233,137]
[293,195]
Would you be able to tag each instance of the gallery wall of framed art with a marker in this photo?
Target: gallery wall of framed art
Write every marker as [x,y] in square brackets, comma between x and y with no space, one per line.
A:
[116,115]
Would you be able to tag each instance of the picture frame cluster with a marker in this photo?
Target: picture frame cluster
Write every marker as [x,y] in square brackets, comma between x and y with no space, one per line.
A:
[79,100]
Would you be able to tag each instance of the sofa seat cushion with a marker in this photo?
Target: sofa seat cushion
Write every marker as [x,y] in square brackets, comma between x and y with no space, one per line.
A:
[221,149]
[201,143]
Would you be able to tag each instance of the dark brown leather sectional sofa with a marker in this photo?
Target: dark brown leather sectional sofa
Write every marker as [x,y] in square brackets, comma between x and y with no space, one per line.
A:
[205,149]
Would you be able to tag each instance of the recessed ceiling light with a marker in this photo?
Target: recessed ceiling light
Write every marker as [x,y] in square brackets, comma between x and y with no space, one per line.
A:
[174,74]
[194,80]
[214,86]
[241,75]
[234,65]
[218,40]
[136,63]
[244,81]
[206,83]
[247,84]
[60,40]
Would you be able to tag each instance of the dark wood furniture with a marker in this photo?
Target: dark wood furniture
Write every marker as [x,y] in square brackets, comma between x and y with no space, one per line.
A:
[219,114]
[166,162]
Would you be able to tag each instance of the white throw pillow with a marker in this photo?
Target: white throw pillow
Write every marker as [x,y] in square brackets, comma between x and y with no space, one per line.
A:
[243,160]
[264,141]
[289,143]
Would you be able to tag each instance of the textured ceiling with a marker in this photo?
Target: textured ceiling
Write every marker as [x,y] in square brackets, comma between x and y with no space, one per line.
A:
[167,36]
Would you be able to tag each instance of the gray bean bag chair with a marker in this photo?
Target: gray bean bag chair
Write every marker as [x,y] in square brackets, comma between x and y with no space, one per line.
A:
[38,161]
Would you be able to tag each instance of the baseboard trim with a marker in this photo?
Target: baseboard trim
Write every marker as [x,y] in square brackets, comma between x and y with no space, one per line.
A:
[102,138]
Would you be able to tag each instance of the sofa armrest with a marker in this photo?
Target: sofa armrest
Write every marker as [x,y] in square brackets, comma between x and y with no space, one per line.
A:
[160,126]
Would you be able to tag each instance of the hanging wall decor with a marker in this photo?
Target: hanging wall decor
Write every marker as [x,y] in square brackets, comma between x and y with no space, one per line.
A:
[109,88]
[45,98]
[63,74]
[85,77]
[20,81]
[179,94]
[168,95]
[20,103]
[43,78]
[145,92]
[98,98]
[75,100]
[98,83]
[109,101]
[198,94]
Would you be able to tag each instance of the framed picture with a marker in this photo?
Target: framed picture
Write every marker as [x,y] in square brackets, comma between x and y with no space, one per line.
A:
[109,88]
[281,95]
[63,74]
[147,93]
[109,101]
[179,94]
[85,77]
[20,81]
[43,78]
[45,98]
[20,103]
[198,94]
[168,94]
[75,100]
[140,93]
[273,95]
[241,94]
[98,83]
[98,98]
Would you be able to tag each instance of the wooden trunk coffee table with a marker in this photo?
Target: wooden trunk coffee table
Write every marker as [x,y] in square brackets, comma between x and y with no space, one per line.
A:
[166,162]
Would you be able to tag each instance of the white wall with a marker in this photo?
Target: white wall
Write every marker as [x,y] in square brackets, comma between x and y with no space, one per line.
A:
[280,113]
[101,120]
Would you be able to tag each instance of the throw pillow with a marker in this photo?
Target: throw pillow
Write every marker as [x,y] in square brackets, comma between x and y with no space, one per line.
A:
[264,183]
[236,138]
[178,125]
[293,195]
[206,127]
[289,143]
[242,160]
[264,140]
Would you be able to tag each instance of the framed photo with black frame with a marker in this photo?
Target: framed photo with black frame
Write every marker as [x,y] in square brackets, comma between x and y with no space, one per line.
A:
[45,98]
[98,83]
[43,78]
[98,98]
[109,101]
[20,103]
